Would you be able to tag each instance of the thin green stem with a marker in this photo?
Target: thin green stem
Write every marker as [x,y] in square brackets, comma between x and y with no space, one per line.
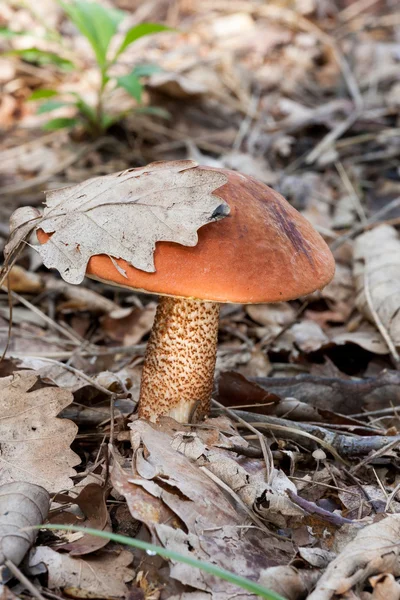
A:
[242,582]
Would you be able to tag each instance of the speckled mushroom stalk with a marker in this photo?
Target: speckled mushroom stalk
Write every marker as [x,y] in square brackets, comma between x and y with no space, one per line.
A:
[178,371]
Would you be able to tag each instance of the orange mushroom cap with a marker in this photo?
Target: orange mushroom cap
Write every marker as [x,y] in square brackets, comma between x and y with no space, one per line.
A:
[263,251]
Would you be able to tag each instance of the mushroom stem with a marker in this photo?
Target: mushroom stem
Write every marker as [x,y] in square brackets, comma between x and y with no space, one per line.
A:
[178,371]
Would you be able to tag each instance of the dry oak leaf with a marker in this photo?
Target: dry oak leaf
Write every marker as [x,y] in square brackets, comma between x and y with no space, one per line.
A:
[35,444]
[377,268]
[22,505]
[102,576]
[123,215]
[374,550]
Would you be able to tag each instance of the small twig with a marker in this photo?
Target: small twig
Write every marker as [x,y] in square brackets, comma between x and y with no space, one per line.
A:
[302,433]
[362,226]
[266,450]
[312,509]
[23,579]
[322,484]
[249,451]
[331,137]
[351,191]
[354,9]
[391,497]
[81,375]
[237,499]
[71,336]
[376,454]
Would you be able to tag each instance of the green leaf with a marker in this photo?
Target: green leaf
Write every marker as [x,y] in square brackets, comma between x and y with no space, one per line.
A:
[157,111]
[242,582]
[60,123]
[132,85]
[9,33]
[138,31]
[51,105]
[108,120]
[96,22]
[42,93]
[41,57]
[86,110]
[145,70]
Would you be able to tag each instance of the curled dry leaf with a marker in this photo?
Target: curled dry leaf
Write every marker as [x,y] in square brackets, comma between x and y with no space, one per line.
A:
[374,550]
[377,267]
[129,326]
[22,505]
[92,502]
[22,222]
[123,215]
[35,444]
[102,576]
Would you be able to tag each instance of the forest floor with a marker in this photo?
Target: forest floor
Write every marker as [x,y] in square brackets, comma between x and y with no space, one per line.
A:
[293,482]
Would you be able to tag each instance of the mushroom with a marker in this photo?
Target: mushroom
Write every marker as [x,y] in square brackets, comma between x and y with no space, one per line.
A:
[264,251]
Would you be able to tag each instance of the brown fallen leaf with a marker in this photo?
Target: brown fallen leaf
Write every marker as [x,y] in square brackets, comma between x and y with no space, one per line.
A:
[246,555]
[142,505]
[123,215]
[373,551]
[102,576]
[182,486]
[129,326]
[35,443]
[188,511]
[377,275]
[22,506]
[92,502]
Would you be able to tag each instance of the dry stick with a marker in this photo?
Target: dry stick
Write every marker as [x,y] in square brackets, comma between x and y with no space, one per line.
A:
[266,450]
[376,454]
[312,509]
[24,580]
[331,137]
[364,492]
[73,337]
[380,412]
[327,485]
[80,374]
[382,329]
[354,9]
[139,349]
[391,497]
[237,499]
[351,191]
[362,226]
[310,436]
[347,445]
